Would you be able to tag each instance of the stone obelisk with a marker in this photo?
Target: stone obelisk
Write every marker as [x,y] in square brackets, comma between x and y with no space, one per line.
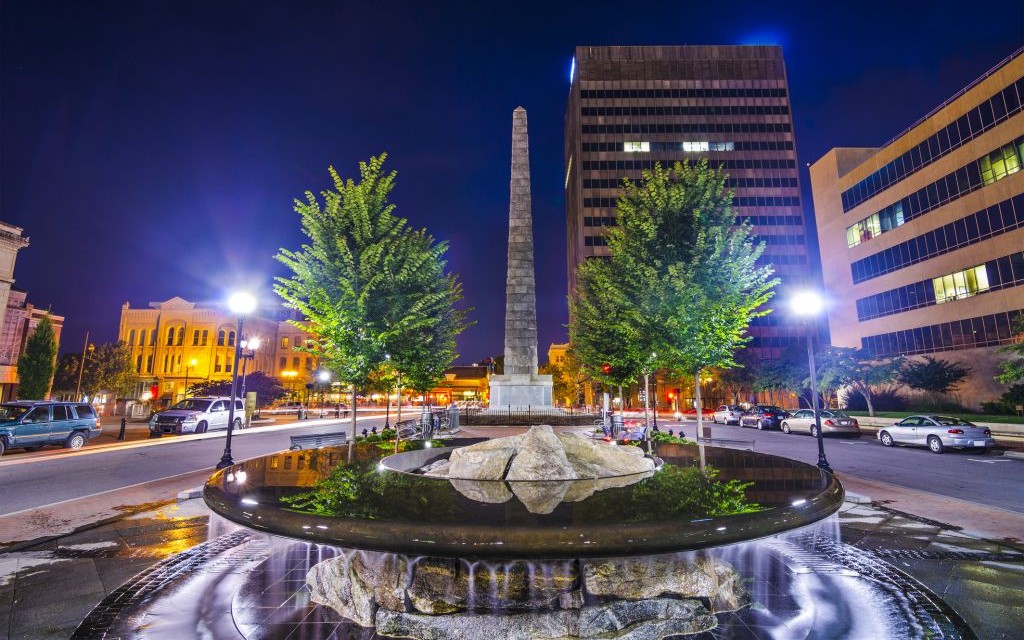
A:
[520,386]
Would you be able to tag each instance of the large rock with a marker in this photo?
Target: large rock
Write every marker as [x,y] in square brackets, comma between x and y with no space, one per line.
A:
[443,585]
[541,497]
[646,620]
[682,575]
[590,459]
[480,464]
[540,457]
[354,583]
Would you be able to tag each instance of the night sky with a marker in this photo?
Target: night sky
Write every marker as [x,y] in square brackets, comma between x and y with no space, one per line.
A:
[153,149]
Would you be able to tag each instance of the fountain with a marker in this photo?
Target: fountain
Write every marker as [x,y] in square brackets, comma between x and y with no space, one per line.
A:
[533,536]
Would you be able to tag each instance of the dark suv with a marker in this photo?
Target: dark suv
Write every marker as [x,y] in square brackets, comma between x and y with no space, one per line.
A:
[30,424]
[763,416]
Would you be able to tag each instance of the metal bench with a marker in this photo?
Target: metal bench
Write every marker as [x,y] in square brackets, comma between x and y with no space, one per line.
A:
[318,440]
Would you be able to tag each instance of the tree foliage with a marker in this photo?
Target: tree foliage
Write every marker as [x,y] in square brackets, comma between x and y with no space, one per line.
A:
[108,367]
[369,285]
[1012,370]
[37,363]
[682,282]
[268,389]
[933,375]
[860,371]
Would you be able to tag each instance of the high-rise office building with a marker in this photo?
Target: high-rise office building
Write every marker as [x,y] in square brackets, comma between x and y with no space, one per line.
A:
[922,239]
[631,107]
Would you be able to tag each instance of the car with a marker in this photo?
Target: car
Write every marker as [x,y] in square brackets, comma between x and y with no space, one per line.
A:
[763,416]
[938,433]
[31,424]
[196,415]
[832,423]
[727,414]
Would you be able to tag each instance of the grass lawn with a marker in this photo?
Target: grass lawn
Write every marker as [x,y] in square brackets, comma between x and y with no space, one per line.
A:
[970,417]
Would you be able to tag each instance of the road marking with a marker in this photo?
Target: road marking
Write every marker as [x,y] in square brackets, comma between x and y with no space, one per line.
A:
[849,442]
[58,454]
[987,461]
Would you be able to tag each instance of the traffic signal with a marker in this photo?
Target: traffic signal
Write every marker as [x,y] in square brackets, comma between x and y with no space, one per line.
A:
[606,368]
[671,395]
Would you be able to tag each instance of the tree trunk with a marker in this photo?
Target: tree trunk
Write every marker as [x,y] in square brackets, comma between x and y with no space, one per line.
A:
[871,407]
[701,432]
[352,436]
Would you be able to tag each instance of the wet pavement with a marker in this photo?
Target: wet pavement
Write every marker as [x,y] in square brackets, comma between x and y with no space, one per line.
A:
[47,590]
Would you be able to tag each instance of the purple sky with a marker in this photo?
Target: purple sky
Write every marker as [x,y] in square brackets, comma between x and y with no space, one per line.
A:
[153,149]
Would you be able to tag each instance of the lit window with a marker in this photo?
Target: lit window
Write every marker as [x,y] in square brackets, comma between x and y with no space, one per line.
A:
[999,164]
[284,342]
[962,284]
[696,147]
[635,147]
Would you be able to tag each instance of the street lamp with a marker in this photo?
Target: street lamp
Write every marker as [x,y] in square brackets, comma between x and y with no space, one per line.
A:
[241,304]
[188,367]
[324,377]
[809,305]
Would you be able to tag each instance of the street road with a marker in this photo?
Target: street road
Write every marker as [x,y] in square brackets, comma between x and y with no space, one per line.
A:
[52,475]
[984,478]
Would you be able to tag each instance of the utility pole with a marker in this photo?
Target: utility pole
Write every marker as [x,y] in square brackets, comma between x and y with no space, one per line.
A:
[81,367]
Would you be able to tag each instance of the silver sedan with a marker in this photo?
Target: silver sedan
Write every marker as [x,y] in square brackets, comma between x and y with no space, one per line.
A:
[727,414]
[832,423]
[937,433]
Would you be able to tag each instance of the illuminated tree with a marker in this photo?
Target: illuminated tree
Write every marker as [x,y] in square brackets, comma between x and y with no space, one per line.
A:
[38,362]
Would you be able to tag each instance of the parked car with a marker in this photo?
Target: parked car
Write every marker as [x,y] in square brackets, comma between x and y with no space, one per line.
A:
[937,433]
[832,423]
[763,416]
[727,414]
[196,415]
[30,424]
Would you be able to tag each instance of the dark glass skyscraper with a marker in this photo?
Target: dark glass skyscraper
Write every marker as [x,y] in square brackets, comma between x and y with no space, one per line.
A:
[630,107]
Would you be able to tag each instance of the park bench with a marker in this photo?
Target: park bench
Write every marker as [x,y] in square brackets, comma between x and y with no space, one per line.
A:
[317,440]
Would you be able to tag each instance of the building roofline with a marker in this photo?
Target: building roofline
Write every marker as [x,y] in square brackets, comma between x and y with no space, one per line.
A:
[999,65]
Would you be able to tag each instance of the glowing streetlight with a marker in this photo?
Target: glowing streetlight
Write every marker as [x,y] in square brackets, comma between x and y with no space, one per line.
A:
[809,306]
[241,304]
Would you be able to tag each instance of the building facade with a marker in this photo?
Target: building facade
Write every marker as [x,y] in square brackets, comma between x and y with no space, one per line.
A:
[922,239]
[176,342]
[631,107]
[20,316]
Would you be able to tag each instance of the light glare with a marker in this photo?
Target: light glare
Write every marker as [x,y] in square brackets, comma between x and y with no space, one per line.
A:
[242,303]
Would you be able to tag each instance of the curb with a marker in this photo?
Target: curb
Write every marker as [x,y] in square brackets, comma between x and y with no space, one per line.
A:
[1014,454]
[857,498]
[190,494]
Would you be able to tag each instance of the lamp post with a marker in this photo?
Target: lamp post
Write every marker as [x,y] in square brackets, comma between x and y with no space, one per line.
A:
[81,369]
[188,367]
[323,378]
[241,304]
[387,398]
[809,305]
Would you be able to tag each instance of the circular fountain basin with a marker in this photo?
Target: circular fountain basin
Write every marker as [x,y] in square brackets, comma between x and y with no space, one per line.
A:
[699,497]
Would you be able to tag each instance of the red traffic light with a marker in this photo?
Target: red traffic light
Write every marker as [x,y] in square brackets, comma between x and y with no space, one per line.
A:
[606,368]
[671,395]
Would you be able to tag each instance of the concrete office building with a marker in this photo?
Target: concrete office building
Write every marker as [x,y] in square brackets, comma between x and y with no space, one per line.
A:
[922,239]
[630,107]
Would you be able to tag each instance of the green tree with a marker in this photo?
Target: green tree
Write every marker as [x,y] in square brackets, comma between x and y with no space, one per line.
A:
[788,372]
[1012,370]
[740,380]
[698,269]
[368,286]
[108,367]
[933,375]
[65,377]
[37,363]
[856,369]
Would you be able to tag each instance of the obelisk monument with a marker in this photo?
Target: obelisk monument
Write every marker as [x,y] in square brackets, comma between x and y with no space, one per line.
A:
[520,386]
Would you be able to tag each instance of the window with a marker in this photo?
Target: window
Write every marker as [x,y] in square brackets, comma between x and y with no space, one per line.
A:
[283,362]
[195,338]
[181,336]
[285,342]
[170,336]
[221,335]
[206,334]
[962,284]
[60,413]
[138,364]
[142,337]
[635,147]
[131,337]
[231,338]
[295,362]
[216,364]
[309,364]
[149,363]
[999,164]
[227,366]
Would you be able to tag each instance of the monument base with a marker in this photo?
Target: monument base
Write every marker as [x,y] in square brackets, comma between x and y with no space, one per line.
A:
[521,391]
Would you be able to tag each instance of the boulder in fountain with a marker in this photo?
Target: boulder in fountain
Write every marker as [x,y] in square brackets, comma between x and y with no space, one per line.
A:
[683,575]
[623,620]
[356,582]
